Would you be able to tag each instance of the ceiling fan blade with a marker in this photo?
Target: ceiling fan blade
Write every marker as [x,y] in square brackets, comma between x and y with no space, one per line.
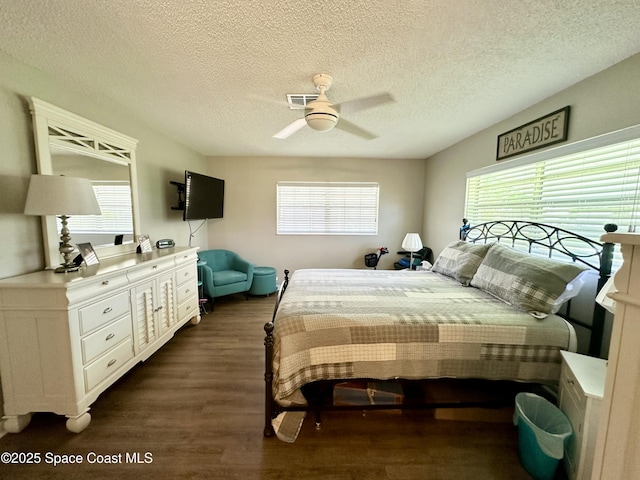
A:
[347,126]
[290,129]
[352,106]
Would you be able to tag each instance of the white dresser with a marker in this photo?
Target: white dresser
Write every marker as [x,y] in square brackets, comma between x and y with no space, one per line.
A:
[581,391]
[65,338]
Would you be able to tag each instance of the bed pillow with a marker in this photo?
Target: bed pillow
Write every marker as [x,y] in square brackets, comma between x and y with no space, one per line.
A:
[572,290]
[460,260]
[530,283]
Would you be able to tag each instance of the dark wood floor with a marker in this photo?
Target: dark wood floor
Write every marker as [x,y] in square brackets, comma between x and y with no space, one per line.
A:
[196,407]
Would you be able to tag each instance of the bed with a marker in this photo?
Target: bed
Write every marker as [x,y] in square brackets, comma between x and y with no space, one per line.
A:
[486,310]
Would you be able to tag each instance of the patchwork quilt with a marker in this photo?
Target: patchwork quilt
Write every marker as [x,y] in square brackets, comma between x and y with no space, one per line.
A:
[382,324]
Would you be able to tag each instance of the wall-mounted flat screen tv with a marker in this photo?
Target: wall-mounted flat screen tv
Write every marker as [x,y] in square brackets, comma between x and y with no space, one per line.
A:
[203,196]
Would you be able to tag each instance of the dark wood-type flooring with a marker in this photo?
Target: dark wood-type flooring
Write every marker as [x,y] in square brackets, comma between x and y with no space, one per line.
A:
[195,409]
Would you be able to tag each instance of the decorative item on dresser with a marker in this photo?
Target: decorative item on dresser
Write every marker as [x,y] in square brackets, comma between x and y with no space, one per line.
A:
[144,244]
[62,196]
[64,339]
[88,254]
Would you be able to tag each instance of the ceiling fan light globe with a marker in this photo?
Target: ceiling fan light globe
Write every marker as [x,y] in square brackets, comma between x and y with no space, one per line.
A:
[321,121]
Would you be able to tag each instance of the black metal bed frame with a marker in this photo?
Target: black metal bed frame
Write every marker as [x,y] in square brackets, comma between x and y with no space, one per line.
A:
[593,254]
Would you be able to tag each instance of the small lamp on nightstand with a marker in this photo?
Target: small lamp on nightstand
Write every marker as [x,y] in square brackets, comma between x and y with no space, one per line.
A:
[61,196]
[412,243]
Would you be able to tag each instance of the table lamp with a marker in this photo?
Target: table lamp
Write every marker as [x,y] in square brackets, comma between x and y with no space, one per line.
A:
[61,196]
[412,243]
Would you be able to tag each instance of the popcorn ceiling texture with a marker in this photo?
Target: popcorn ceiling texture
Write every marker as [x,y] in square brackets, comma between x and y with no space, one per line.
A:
[214,74]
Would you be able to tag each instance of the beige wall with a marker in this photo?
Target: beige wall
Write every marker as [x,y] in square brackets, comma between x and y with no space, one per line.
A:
[604,103]
[249,223]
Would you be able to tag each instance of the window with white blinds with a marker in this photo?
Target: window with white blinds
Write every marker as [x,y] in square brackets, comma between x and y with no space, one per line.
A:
[580,192]
[327,208]
[114,199]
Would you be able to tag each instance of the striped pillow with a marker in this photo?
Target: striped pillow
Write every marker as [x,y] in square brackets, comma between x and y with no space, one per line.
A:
[460,260]
[530,283]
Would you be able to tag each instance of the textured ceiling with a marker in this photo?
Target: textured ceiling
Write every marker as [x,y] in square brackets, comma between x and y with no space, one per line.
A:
[214,74]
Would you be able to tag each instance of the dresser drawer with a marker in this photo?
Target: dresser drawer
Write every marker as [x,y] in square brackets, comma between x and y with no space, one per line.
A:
[186,273]
[95,287]
[107,337]
[108,364]
[573,405]
[571,388]
[102,312]
[187,258]
[186,290]
[188,309]
[144,271]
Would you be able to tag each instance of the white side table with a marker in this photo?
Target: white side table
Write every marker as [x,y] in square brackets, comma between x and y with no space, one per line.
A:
[581,392]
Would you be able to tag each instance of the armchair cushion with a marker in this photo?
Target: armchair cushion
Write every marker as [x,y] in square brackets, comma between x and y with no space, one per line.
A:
[225,277]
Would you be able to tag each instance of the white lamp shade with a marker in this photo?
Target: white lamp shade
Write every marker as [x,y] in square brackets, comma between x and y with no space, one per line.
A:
[61,195]
[412,242]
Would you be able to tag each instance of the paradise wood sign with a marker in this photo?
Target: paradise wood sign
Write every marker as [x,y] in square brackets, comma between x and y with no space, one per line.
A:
[541,132]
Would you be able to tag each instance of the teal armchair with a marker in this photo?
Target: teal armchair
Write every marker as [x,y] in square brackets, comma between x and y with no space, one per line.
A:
[225,273]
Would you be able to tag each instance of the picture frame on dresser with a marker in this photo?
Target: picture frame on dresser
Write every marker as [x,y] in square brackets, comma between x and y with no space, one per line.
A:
[144,244]
[88,254]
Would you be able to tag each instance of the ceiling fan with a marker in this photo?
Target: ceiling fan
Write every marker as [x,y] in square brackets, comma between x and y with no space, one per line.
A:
[322,115]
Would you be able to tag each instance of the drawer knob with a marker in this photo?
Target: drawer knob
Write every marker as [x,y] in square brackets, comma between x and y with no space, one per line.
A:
[107,310]
[105,282]
[155,267]
[109,337]
[111,362]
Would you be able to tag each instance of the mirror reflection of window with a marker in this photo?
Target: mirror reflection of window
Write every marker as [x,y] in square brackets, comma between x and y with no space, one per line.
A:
[110,181]
[114,199]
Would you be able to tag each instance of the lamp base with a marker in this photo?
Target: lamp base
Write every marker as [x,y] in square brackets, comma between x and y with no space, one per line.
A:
[66,249]
[66,268]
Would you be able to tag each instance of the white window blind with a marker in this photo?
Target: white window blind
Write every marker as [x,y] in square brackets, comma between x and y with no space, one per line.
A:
[580,192]
[114,199]
[327,208]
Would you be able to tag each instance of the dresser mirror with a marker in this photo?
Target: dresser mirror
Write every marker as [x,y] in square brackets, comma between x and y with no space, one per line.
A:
[67,144]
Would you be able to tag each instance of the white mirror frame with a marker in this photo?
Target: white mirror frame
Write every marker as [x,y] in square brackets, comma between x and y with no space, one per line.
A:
[53,126]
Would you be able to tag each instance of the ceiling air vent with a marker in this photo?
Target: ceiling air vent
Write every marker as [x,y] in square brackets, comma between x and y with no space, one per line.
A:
[297,101]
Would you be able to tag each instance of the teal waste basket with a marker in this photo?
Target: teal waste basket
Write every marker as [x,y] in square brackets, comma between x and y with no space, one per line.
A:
[542,434]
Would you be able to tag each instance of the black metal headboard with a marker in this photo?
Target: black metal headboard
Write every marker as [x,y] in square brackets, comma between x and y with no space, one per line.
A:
[551,241]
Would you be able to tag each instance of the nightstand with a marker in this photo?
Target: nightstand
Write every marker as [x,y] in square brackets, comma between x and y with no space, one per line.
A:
[581,391]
